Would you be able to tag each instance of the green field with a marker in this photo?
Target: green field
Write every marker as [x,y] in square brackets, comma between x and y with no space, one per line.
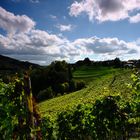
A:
[100,82]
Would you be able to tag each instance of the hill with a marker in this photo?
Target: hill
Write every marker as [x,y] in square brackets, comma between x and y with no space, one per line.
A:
[101,81]
[10,66]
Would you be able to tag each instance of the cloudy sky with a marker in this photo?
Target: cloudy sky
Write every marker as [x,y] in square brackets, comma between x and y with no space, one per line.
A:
[42,31]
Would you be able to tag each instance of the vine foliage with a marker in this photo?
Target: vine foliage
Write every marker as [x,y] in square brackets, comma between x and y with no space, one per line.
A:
[19,117]
[106,118]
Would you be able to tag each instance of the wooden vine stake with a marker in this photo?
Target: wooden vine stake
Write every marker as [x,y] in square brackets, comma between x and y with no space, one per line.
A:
[29,106]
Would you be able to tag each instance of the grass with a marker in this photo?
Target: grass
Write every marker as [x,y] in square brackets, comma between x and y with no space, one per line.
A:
[100,81]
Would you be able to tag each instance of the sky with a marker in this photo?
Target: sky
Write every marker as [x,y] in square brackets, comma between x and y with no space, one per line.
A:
[42,31]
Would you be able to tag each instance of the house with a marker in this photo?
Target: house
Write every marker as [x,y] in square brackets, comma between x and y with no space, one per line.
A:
[129,64]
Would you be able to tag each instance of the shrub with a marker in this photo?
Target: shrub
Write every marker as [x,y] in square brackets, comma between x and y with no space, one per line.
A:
[66,86]
[62,88]
[80,84]
[72,86]
[45,94]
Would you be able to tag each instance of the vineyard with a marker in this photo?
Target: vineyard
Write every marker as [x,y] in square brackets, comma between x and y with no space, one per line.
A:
[99,83]
[107,108]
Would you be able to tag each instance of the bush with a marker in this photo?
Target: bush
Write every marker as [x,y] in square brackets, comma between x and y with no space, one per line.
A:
[62,88]
[76,85]
[72,86]
[45,94]
[80,84]
[66,87]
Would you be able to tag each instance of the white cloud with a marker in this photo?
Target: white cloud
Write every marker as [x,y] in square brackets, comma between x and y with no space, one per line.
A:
[105,10]
[42,38]
[138,41]
[33,42]
[86,6]
[53,17]
[64,27]
[34,1]
[51,47]
[15,23]
[28,43]
[135,19]
[108,46]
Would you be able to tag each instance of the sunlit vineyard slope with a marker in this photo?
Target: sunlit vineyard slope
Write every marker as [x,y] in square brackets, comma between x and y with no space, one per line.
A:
[100,81]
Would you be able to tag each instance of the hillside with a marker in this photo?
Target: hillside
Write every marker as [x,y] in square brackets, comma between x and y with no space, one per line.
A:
[100,81]
[10,66]
[106,107]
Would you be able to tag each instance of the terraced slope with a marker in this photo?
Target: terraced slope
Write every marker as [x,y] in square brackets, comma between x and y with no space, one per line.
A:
[100,81]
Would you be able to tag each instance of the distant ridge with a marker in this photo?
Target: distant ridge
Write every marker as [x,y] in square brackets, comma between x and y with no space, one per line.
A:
[13,65]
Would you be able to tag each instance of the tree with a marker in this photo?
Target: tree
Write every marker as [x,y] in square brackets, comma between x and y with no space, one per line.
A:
[117,63]
[54,75]
[87,61]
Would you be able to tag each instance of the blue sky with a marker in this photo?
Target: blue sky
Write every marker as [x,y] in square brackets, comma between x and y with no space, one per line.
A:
[42,31]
